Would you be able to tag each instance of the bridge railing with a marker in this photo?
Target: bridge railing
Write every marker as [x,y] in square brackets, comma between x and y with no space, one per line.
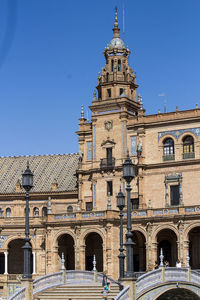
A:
[123,295]
[147,280]
[174,274]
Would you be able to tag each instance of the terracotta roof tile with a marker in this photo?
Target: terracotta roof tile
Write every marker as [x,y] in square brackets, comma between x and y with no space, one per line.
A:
[46,169]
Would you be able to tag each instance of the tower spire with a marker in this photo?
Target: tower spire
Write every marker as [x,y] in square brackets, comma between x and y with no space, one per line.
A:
[116,29]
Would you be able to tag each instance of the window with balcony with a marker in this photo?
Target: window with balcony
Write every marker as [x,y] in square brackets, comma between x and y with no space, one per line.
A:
[188,147]
[36,211]
[168,149]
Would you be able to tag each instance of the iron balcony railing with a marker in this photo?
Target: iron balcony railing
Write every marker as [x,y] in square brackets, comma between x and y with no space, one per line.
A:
[188,155]
[168,157]
[107,163]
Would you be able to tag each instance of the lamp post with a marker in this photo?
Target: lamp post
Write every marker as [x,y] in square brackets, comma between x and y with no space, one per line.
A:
[128,175]
[27,183]
[120,205]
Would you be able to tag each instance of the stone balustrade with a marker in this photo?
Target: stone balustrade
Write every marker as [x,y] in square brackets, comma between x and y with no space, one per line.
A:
[18,295]
[47,281]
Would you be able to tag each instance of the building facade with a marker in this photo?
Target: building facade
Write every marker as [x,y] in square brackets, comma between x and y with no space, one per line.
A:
[73,207]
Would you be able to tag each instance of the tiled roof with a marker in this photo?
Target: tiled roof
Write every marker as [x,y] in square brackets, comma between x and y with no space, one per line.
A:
[46,169]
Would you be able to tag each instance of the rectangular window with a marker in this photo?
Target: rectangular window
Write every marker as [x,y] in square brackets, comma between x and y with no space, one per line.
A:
[89,206]
[109,156]
[174,194]
[135,203]
[109,188]
[109,93]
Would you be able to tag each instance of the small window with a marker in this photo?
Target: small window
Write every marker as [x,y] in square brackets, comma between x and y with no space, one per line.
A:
[44,211]
[174,194]
[135,203]
[89,206]
[109,188]
[121,90]
[109,93]
[119,65]
[8,212]
[69,209]
[36,211]
[107,77]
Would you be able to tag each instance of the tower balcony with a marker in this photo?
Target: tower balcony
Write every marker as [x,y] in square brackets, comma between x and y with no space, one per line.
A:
[106,163]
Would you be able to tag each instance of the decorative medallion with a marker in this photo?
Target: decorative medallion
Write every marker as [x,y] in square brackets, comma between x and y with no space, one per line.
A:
[108,125]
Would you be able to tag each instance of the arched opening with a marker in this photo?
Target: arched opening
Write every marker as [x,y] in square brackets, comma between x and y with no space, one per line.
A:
[8,212]
[94,246]
[168,149]
[36,212]
[66,246]
[167,240]
[188,147]
[178,294]
[139,250]
[69,209]
[16,257]
[44,211]
[194,248]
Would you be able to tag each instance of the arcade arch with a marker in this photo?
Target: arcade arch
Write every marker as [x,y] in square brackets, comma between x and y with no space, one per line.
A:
[194,247]
[139,256]
[15,250]
[93,246]
[167,240]
[66,246]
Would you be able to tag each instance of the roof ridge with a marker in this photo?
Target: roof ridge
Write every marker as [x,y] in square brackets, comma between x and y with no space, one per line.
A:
[38,155]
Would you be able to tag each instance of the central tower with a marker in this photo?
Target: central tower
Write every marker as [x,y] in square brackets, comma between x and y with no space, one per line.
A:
[116,82]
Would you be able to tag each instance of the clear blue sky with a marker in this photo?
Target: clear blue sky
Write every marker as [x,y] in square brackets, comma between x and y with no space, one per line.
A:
[51,53]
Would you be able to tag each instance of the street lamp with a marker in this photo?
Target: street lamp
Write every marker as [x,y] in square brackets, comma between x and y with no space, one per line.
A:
[121,205]
[128,175]
[27,183]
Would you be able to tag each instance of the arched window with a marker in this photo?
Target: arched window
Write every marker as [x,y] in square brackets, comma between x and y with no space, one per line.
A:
[8,212]
[44,211]
[36,211]
[69,209]
[188,147]
[119,65]
[168,149]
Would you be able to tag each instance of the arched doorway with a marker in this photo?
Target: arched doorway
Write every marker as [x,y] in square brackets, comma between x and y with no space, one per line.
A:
[16,257]
[178,294]
[94,246]
[66,246]
[194,248]
[139,251]
[167,240]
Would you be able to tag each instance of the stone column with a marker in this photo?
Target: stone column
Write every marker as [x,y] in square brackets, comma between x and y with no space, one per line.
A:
[6,262]
[82,257]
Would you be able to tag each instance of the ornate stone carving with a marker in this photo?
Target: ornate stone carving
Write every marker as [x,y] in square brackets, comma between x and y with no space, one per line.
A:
[108,125]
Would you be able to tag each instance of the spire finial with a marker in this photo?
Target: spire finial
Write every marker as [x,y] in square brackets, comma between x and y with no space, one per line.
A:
[116,29]
[82,112]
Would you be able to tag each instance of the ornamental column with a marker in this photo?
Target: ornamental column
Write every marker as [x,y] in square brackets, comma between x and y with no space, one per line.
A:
[6,263]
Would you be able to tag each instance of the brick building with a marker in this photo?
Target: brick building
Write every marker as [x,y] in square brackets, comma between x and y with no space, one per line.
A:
[73,203]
